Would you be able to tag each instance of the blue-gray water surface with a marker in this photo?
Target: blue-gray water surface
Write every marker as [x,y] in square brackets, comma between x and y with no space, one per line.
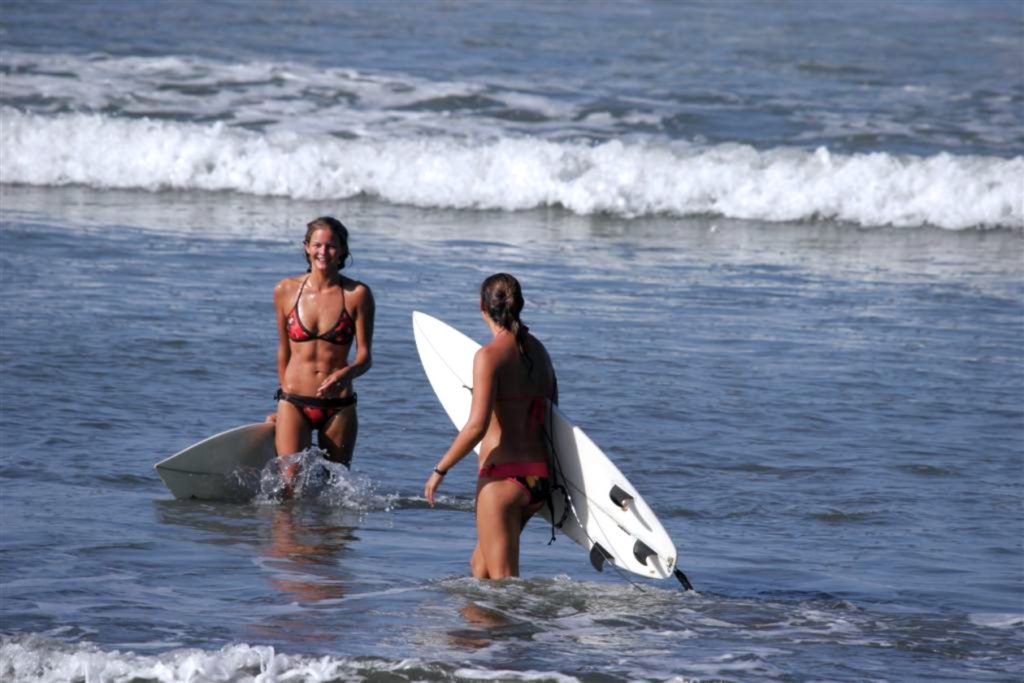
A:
[828,425]
[776,251]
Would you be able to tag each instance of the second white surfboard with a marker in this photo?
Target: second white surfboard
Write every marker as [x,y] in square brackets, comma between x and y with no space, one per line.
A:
[606,515]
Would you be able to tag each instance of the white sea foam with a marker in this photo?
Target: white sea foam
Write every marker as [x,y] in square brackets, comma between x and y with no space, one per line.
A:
[509,675]
[998,620]
[295,130]
[37,659]
[271,96]
[515,173]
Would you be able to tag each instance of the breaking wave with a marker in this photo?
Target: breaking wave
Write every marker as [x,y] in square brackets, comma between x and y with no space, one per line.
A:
[616,177]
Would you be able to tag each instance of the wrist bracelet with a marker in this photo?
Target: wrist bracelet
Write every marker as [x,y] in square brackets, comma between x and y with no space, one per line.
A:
[440,472]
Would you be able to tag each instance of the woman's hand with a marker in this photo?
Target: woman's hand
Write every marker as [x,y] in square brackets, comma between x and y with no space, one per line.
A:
[431,486]
[334,384]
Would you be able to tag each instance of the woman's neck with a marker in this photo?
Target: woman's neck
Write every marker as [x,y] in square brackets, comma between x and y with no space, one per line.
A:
[318,280]
[496,329]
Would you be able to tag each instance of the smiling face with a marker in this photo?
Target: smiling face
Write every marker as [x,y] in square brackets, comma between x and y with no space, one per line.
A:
[323,251]
[326,245]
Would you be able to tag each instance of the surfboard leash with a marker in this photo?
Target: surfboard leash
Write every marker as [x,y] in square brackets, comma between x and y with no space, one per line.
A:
[570,506]
[556,471]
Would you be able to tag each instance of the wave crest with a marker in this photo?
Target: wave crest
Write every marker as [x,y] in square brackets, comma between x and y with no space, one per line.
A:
[623,178]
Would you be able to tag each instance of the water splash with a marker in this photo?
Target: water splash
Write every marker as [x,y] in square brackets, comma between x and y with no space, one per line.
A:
[322,480]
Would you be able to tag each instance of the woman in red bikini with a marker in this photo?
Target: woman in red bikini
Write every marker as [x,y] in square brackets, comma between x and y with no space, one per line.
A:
[319,315]
[512,381]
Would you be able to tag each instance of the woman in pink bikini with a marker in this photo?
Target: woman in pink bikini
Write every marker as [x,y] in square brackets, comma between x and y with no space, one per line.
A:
[512,381]
[319,315]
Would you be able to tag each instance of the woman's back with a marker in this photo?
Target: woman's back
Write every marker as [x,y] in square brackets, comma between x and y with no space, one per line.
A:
[523,383]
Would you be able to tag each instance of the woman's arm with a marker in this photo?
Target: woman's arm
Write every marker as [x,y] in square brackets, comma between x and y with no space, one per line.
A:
[366,309]
[284,349]
[484,391]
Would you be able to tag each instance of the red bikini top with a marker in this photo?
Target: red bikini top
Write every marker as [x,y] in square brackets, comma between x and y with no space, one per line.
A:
[342,333]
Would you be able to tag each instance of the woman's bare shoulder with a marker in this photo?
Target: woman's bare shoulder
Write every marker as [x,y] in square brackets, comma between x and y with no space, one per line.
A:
[354,286]
[287,285]
[359,291]
[488,355]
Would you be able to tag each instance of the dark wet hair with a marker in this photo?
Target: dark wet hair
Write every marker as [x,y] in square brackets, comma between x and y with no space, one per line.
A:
[501,298]
[339,231]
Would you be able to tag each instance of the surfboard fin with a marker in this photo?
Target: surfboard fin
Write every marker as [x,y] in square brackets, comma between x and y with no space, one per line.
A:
[598,556]
[620,497]
[641,551]
[678,573]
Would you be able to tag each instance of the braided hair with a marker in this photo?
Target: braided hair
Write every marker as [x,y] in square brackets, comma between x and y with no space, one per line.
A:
[501,298]
[339,231]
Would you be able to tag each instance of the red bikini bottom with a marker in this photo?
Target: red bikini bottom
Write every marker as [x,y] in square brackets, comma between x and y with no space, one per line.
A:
[318,411]
[532,477]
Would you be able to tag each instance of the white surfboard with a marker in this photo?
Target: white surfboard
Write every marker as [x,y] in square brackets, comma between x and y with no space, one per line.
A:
[606,515]
[221,467]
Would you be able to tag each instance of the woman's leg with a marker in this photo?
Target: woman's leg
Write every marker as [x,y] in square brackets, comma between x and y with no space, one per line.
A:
[498,524]
[291,435]
[477,564]
[338,437]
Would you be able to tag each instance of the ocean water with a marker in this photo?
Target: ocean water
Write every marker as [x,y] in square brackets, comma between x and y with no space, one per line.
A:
[776,251]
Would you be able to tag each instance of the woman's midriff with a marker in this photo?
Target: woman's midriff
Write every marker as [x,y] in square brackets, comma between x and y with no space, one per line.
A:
[311,363]
[502,445]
